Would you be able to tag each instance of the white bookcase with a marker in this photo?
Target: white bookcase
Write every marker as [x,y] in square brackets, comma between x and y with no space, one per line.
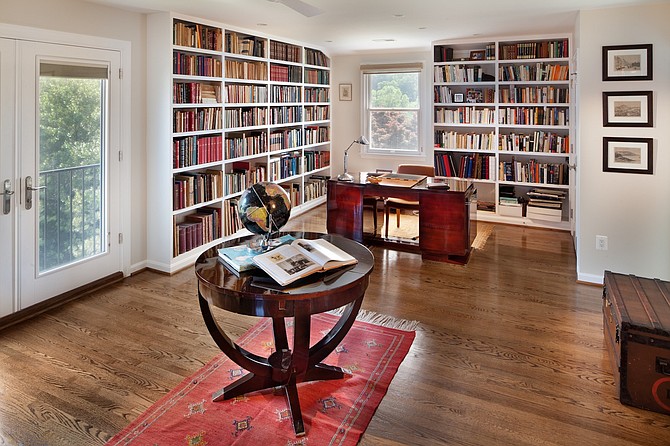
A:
[502,115]
[227,108]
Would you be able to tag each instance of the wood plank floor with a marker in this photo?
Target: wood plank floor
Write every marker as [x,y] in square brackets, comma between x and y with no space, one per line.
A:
[509,351]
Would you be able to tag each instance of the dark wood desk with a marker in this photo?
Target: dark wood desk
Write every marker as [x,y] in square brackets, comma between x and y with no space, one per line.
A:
[446,225]
[248,294]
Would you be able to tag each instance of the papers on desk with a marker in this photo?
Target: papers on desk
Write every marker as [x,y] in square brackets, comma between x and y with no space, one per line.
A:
[400,179]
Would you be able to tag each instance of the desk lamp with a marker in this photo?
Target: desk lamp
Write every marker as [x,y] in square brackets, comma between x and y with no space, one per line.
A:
[346,176]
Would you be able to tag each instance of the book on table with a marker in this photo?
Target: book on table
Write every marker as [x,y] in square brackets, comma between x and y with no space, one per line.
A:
[239,258]
[301,258]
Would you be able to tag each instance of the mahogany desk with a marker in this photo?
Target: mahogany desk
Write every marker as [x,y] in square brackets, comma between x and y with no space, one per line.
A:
[447,227]
[248,294]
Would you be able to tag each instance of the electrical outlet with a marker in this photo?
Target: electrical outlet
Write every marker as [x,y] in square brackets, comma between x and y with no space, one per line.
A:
[601,242]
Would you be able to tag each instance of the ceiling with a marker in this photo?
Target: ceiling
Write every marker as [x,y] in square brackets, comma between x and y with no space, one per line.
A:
[354,26]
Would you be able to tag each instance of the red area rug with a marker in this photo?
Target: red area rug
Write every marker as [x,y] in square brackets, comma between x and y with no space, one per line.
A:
[335,412]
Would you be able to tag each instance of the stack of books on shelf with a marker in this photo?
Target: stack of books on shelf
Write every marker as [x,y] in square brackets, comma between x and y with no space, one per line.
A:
[545,204]
[509,203]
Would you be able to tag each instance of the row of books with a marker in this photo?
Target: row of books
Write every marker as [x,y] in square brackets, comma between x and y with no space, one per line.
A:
[534,73]
[196,36]
[197,229]
[317,113]
[244,69]
[556,116]
[293,192]
[194,150]
[317,94]
[191,188]
[538,95]
[285,51]
[285,114]
[316,159]
[534,171]
[245,117]
[245,144]
[285,139]
[545,204]
[242,176]
[285,73]
[316,57]
[246,45]
[445,95]
[287,165]
[464,115]
[461,73]
[196,93]
[231,218]
[196,65]
[284,93]
[317,134]
[539,141]
[314,76]
[470,141]
[474,166]
[191,120]
[315,187]
[246,94]
[535,50]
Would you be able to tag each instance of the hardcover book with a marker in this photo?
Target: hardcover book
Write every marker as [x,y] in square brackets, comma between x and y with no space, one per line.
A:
[240,257]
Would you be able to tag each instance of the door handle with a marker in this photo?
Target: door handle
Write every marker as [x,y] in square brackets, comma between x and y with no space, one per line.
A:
[7,193]
[29,192]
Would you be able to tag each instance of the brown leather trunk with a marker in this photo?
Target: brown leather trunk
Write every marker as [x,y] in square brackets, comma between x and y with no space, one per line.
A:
[636,319]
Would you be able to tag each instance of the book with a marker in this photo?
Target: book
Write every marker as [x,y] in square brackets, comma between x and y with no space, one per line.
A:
[240,257]
[301,258]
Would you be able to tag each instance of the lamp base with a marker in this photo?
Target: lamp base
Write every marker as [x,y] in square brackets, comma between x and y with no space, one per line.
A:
[345,177]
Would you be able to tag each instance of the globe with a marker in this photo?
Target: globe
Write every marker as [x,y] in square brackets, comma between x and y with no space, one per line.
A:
[264,208]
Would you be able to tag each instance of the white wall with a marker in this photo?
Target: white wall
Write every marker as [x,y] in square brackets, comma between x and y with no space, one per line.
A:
[346,115]
[85,18]
[633,211]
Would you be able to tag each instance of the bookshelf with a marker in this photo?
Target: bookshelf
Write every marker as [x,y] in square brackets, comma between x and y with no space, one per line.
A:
[502,117]
[229,108]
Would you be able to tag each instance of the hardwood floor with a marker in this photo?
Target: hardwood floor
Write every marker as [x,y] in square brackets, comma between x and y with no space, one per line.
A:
[509,351]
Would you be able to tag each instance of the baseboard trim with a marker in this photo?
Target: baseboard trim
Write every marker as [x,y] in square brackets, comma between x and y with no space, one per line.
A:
[59,300]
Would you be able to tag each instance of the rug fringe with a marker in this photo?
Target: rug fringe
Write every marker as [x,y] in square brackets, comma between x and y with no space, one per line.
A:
[383,320]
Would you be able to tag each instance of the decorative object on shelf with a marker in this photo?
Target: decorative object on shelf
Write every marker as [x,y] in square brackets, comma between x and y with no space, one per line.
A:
[627,63]
[628,155]
[628,109]
[345,92]
[458,97]
[477,55]
[346,176]
[264,208]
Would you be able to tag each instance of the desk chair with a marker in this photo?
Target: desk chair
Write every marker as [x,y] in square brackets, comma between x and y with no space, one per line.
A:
[397,203]
[373,202]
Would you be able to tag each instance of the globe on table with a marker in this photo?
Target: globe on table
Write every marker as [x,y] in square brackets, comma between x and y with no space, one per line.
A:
[264,208]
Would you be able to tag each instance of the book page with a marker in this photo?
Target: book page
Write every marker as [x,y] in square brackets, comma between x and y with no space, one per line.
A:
[286,264]
[324,253]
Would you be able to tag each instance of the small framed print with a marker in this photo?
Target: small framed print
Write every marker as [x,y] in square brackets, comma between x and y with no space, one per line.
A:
[458,97]
[627,63]
[474,96]
[628,109]
[477,55]
[345,92]
[628,155]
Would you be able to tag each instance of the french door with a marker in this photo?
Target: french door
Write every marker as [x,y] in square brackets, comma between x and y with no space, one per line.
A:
[65,205]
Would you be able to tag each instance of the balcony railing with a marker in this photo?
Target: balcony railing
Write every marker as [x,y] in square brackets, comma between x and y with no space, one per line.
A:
[71,215]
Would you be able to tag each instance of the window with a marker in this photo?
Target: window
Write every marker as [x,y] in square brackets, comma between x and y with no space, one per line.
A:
[392,109]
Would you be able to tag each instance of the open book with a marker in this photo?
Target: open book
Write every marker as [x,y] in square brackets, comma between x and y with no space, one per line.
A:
[291,262]
[240,258]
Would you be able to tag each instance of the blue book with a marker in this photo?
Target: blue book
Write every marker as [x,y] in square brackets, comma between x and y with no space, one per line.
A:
[241,257]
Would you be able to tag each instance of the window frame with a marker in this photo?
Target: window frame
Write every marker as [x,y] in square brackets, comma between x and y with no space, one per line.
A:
[366,71]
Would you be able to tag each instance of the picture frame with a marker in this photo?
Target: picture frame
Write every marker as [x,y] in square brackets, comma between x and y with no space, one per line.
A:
[474,96]
[628,109]
[345,92]
[628,155]
[628,63]
[477,55]
[458,97]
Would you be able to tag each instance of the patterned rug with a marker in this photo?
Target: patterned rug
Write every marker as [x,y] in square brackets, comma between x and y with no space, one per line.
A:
[335,412]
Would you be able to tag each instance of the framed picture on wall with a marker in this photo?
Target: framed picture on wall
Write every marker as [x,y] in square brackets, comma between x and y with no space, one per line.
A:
[627,63]
[345,92]
[628,155]
[628,109]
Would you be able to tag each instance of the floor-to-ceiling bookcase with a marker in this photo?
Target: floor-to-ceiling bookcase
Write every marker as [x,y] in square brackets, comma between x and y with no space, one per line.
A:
[502,115]
[227,108]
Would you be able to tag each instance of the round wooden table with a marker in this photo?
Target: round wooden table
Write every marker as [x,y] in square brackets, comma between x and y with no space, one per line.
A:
[249,294]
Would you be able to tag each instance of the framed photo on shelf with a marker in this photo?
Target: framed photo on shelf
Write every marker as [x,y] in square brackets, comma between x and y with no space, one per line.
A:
[345,92]
[627,63]
[628,109]
[474,96]
[477,55]
[458,97]
[628,155]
